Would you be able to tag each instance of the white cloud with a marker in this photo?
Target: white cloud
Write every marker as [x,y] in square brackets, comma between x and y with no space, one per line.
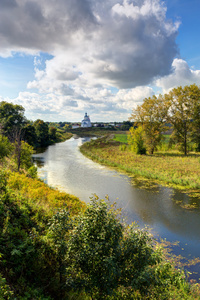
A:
[119,43]
[182,75]
[103,52]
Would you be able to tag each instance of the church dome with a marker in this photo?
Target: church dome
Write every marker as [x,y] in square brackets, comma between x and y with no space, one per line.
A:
[86,121]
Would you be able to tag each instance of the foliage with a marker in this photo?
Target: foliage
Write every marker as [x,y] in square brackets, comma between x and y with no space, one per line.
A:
[32,171]
[180,108]
[19,261]
[11,119]
[126,125]
[5,147]
[152,115]
[46,253]
[136,139]
[107,259]
[32,237]
[42,132]
[58,230]
[30,135]
[183,104]
[5,291]
[41,195]
[23,155]
[94,250]
[52,133]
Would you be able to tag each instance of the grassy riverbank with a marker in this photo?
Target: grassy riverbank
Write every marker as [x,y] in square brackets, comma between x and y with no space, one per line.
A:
[53,246]
[167,168]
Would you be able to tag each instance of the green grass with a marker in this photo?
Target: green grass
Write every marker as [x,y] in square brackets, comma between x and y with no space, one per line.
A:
[168,168]
[122,138]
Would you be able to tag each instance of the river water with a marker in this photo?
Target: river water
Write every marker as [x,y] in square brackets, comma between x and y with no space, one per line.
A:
[64,167]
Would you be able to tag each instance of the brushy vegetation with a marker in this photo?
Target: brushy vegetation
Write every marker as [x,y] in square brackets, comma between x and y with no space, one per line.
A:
[29,263]
[84,255]
[170,167]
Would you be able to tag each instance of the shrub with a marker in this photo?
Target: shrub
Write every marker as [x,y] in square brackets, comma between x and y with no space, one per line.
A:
[136,140]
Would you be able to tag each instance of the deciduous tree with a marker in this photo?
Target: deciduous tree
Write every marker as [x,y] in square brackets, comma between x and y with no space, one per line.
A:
[136,139]
[184,115]
[42,132]
[11,118]
[152,115]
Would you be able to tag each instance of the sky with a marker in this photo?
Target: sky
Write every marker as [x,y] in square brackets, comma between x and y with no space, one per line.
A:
[62,58]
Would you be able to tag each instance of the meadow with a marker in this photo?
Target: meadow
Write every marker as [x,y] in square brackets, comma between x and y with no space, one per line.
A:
[164,166]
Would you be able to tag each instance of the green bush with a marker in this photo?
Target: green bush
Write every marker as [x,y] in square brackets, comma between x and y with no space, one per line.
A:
[109,259]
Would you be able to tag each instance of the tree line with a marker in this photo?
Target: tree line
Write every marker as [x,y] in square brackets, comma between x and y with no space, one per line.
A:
[19,136]
[13,125]
[179,109]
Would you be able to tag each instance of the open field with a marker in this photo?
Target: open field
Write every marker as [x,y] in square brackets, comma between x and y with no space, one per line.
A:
[95,131]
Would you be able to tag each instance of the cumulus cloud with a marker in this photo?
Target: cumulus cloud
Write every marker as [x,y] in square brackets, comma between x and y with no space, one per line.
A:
[182,75]
[102,53]
[121,43]
[102,104]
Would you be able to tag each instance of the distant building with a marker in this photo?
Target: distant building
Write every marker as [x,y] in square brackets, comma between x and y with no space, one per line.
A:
[86,121]
[75,126]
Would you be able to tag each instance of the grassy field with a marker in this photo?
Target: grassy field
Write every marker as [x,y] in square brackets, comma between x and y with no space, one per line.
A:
[168,168]
[122,138]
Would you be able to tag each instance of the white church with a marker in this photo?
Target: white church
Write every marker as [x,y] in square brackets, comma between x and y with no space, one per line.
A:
[86,121]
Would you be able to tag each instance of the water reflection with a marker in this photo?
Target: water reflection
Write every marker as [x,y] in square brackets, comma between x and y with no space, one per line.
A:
[63,166]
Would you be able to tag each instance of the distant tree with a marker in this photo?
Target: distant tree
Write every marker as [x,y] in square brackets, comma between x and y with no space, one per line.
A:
[30,135]
[152,115]
[52,133]
[126,125]
[11,119]
[42,132]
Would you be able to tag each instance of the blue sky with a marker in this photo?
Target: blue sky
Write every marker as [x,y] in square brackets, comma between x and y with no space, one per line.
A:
[188,37]
[62,59]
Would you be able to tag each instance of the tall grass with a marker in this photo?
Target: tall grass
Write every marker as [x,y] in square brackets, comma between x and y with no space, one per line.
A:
[39,194]
[169,168]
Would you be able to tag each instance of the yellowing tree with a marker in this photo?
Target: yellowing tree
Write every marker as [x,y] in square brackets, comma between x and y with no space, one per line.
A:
[152,115]
[136,140]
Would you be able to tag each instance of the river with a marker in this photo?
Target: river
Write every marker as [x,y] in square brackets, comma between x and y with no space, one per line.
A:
[64,167]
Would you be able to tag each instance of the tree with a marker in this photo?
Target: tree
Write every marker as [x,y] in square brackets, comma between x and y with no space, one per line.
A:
[30,135]
[11,118]
[184,115]
[42,132]
[52,133]
[136,139]
[5,147]
[126,125]
[152,115]
[194,96]
[22,154]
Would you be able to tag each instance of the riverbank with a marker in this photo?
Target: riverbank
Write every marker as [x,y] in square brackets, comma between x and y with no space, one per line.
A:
[169,169]
[33,210]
